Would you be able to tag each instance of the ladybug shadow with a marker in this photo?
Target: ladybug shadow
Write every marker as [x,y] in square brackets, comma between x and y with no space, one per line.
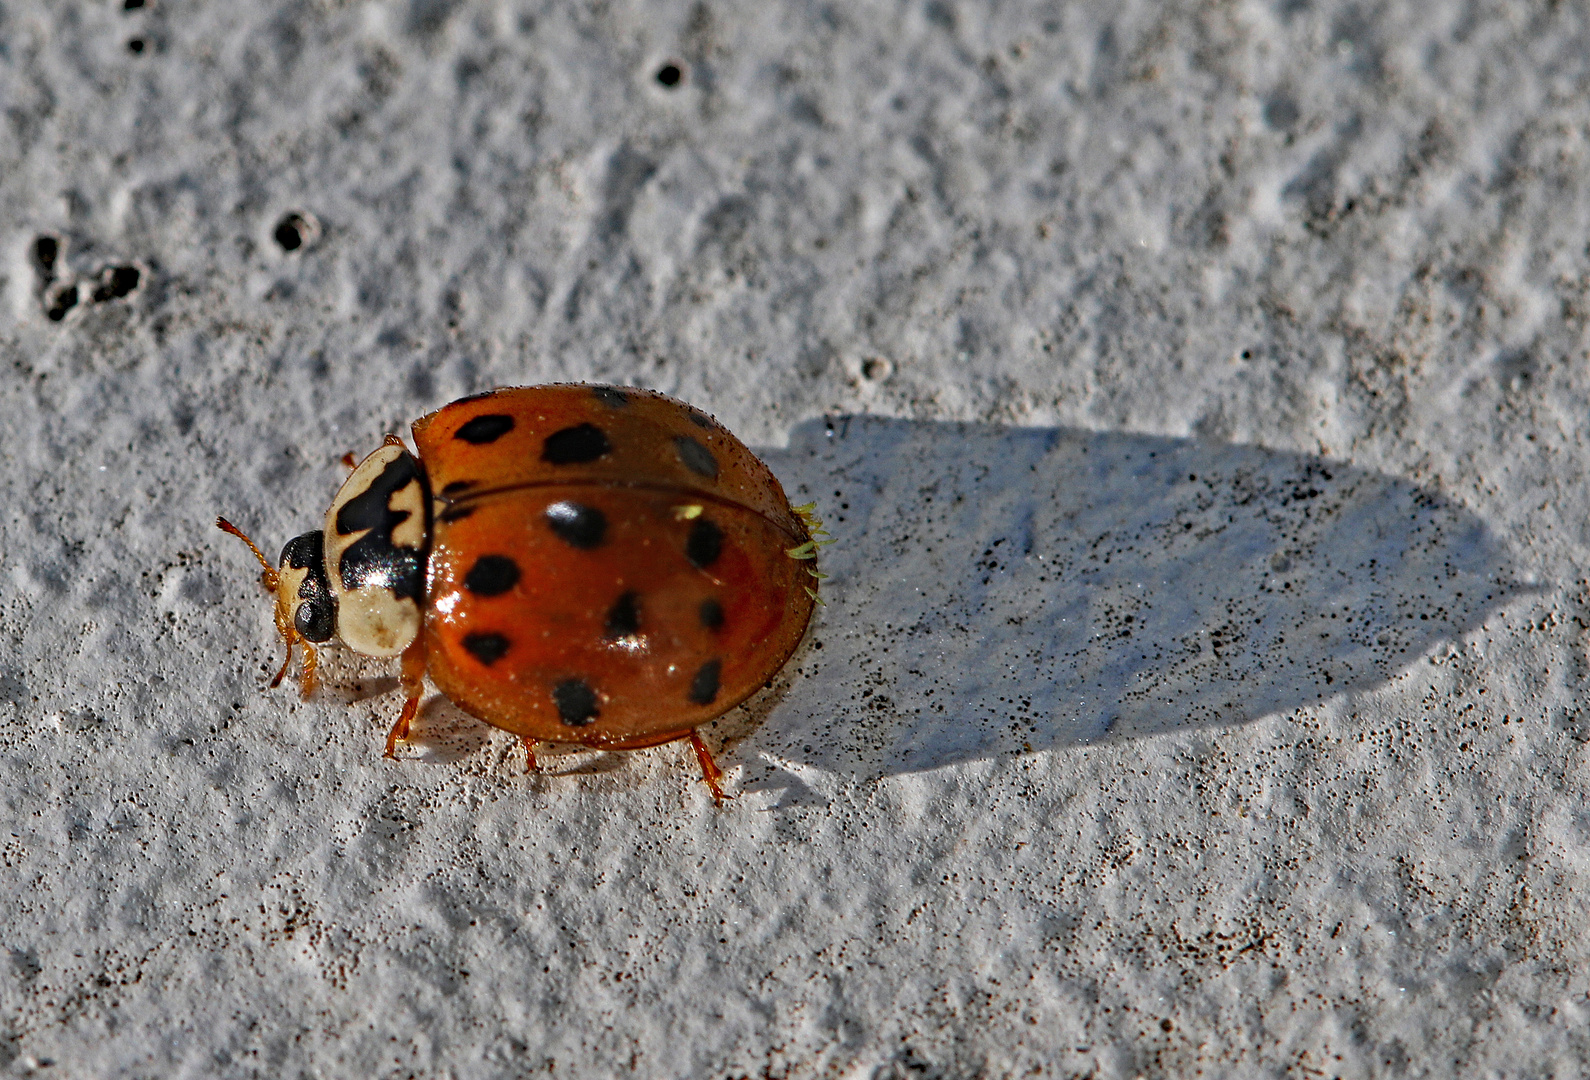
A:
[444,734]
[1001,591]
[441,734]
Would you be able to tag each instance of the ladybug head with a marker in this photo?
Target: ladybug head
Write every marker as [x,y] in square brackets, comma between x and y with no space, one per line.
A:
[306,610]
[302,589]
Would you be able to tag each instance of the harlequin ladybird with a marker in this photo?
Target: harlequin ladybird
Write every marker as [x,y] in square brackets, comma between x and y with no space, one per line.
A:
[573,564]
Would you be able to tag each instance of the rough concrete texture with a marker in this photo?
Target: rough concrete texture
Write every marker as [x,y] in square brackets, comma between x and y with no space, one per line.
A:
[1198,393]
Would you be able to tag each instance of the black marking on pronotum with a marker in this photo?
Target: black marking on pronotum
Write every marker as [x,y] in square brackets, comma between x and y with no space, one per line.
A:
[623,618]
[492,575]
[487,648]
[582,527]
[711,613]
[315,618]
[457,487]
[485,429]
[576,702]
[373,559]
[575,445]
[611,396]
[704,544]
[302,552]
[697,458]
[704,687]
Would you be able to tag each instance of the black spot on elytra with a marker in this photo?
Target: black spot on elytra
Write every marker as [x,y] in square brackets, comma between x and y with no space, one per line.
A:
[623,618]
[575,445]
[492,575]
[457,487]
[576,702]
[485,429]
[374,559]
[704,687]
[711,613]
[701,420]
[611,396]
[316,617]
[487,648]
[697,458]
[704,544]
[583,527]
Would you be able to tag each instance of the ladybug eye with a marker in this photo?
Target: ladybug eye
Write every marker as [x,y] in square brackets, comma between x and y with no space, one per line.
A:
[314,620]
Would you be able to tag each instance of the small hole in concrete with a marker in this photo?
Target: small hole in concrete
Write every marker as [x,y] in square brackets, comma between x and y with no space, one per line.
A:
[876,369]
[1281,112]
[131,5]
[116,282]
[296,230]
[46,249]
[57,304]
[670,75]
[136,45]
[288,235]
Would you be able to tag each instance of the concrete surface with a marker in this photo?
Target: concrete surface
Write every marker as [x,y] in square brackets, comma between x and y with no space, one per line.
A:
[1198,393]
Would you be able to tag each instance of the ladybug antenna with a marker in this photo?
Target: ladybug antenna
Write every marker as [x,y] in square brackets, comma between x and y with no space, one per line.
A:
[272,580]
[270,571]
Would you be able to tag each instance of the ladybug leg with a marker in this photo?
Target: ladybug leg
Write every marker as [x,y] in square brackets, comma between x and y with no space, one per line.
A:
[289,635]
[413,677]
[400,730]
[271,579]
[530,765]
[307,678]
[709,768]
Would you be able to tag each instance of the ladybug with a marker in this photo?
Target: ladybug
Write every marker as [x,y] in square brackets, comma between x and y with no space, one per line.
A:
[583,564]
